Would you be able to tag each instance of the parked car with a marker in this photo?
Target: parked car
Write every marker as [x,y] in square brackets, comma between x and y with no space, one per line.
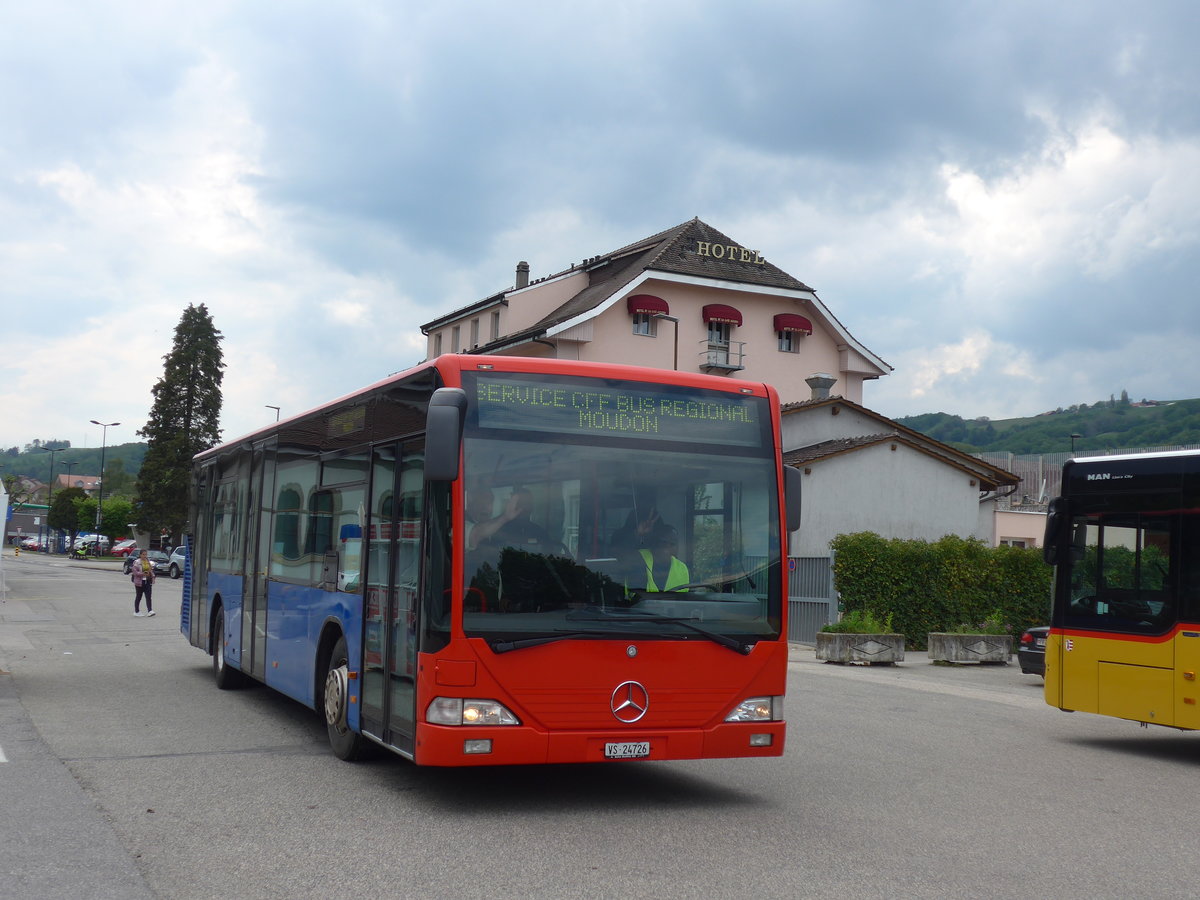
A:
[169,562]
[33,543]
[89,541]
[1031,651]
[124,548]
[158,559]
[176,562]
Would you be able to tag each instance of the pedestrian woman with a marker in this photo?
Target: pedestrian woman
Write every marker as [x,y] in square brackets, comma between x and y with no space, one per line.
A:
[143,584]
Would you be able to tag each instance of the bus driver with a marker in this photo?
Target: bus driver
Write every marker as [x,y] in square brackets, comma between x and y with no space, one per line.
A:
[661,569]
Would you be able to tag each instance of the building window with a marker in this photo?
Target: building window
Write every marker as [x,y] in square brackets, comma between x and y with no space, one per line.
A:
[455,339]
[718,343]
[645,323]
[437,344]
[1017,542]
[495,324]
[788,342]
[474,332]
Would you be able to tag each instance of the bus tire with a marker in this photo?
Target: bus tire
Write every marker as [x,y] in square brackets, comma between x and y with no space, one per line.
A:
[226,678]
[346,744]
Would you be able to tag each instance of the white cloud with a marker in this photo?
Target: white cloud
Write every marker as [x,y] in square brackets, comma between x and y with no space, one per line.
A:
[327,181]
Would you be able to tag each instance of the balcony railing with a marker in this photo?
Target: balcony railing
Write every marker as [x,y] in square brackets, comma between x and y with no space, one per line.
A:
[722,357]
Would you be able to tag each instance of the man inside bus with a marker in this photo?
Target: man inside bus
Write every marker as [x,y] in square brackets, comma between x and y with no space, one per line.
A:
[478,509]
[513,527]
[633,534]
[660,569]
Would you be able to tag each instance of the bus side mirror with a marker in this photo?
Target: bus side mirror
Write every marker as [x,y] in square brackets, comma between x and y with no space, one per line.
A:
[1054,526]
[443,433]
[791,496]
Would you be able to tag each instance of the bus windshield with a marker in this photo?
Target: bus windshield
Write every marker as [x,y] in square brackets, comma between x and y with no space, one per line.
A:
[585,525]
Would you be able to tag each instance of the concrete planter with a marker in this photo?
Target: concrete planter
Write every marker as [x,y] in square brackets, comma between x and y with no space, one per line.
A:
[876,649]
[970,648]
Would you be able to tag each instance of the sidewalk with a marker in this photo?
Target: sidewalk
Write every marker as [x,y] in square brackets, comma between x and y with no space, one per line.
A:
[984,681]
[54,842]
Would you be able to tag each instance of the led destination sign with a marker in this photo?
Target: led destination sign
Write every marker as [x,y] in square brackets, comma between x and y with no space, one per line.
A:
[587,406]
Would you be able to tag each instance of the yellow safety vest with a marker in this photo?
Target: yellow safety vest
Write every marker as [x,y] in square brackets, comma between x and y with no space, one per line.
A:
[677,575]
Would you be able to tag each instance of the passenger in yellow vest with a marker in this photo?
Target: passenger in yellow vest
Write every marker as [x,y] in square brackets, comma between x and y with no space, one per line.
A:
[661,569]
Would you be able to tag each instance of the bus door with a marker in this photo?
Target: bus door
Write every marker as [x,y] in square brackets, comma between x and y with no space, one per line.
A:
[390,599]
[1130,597]
[1187,636]
[254,585]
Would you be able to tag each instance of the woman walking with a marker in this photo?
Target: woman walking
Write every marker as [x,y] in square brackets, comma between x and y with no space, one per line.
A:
[143,584]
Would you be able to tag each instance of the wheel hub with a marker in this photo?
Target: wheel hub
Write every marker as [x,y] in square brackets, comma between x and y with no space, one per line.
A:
[336,689]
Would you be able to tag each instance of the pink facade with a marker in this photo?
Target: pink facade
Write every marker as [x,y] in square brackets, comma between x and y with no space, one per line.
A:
[700,302]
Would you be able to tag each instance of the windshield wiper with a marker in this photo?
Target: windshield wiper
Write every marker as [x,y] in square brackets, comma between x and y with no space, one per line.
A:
[506,646]
[716,637]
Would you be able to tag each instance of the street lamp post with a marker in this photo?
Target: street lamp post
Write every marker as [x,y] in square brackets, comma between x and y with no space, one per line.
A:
[1074,437]
[276,408]
[50,490]
[100,500]
[674,321]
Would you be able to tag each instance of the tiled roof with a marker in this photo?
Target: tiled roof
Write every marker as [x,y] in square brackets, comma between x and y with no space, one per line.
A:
[679,255]
[673,251]
[826,449]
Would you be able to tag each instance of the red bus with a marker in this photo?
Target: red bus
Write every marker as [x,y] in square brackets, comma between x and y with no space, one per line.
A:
[502,560]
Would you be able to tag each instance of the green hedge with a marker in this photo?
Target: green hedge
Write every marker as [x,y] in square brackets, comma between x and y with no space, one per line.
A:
[942,585]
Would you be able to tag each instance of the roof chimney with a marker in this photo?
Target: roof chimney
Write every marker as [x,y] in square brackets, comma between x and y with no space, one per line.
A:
[522,274]
[820,384]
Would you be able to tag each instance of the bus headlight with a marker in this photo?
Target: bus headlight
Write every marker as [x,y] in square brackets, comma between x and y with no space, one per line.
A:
[757,709]
[456,711]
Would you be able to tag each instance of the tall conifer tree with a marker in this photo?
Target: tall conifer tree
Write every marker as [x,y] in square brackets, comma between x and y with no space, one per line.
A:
[184,420]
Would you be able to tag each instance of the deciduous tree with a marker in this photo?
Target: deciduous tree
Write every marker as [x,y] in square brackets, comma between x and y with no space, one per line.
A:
[64,512]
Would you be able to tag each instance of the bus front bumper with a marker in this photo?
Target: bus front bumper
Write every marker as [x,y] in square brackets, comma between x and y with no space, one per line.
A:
[439,745]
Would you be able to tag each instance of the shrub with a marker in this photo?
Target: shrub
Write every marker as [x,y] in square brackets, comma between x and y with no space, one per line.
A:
[938,586]
[993,624]
[859,621]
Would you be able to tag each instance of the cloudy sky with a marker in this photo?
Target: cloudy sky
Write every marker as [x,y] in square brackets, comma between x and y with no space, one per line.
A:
[1002,200]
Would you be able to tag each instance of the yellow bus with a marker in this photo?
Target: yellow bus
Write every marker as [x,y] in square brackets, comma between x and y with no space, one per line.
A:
[1124,538]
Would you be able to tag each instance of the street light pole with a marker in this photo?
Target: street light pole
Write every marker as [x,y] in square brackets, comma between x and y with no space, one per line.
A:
[100,501]
[50,490]
[50,480]
[1073,438]
[674,321]
[276,408]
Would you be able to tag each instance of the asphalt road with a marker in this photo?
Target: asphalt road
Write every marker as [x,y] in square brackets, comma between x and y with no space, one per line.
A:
[126,774]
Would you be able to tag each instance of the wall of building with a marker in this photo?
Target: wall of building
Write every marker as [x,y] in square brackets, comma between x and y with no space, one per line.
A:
[613,340]
[1011,526]
[899,493]
[803,428]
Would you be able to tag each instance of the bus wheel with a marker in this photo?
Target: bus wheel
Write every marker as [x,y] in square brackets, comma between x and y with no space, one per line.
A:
[345,743]
[226,678]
